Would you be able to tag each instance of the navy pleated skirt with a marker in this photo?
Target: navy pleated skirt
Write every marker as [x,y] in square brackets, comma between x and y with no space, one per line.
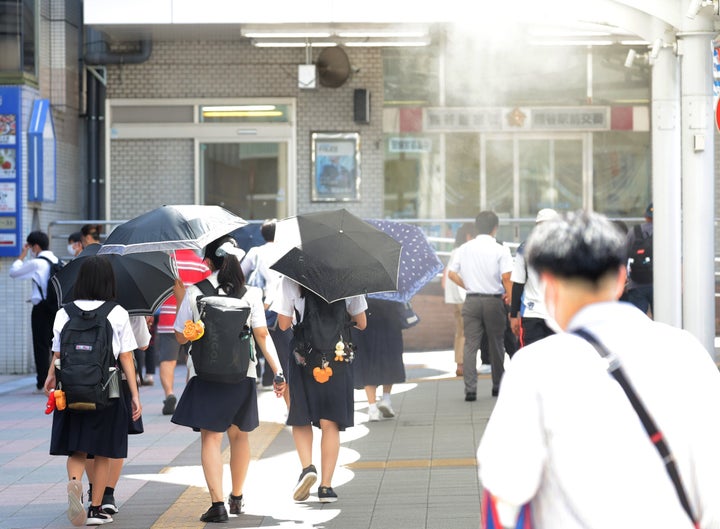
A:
[214,406]
[379,348]
[311,401]
[100,433]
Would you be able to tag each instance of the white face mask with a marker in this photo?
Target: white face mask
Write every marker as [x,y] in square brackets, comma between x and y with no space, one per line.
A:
[71,249]
[32,253]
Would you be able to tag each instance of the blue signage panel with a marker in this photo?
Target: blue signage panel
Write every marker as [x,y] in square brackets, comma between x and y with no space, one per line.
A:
[41,154]
[10,171]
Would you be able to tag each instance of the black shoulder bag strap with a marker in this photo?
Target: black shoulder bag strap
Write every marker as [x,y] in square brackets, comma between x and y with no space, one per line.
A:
[43,295]
[656,436]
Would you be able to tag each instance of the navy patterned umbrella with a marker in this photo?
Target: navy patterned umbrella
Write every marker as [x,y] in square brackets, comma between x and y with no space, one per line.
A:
[418,261]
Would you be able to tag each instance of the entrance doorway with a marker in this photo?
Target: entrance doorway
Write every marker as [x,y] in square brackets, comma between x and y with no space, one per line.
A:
[249,179]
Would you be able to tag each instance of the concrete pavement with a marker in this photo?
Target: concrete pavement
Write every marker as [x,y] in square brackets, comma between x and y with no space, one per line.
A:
[414,471]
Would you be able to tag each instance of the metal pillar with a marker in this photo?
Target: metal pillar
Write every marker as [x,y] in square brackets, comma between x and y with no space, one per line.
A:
[666,170]
[698,196]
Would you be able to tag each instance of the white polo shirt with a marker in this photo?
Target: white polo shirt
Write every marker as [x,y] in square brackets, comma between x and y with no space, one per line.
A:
[564,435]
[533,301]
[480,263]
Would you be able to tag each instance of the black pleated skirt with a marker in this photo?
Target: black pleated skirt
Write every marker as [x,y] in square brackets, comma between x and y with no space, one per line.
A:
[214,406]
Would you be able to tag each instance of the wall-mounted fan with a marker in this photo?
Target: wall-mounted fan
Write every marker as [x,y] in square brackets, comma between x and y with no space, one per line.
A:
[333,67]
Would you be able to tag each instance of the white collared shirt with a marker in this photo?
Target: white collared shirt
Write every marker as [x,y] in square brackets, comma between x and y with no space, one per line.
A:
[36,269]
[480,263]
[564,435]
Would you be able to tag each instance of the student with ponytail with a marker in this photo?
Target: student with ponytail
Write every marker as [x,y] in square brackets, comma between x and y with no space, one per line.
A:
[212,407]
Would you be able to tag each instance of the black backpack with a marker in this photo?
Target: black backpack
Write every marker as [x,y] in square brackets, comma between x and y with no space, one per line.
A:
[323,324]
[224,352]
[49,298]
[87,361]
[641,257]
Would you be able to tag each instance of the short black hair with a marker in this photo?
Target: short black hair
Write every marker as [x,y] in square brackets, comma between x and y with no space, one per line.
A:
[486,222]
[91,230]
[465,230]
[581,244]
[75,236]
[40,238]
[95,279]
[267,230]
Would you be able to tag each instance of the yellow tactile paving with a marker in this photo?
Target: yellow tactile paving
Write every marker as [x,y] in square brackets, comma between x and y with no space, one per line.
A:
[186,510]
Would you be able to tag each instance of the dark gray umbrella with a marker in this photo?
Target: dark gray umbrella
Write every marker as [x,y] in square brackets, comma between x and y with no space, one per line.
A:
[172,228]
[144,280]
[337,255]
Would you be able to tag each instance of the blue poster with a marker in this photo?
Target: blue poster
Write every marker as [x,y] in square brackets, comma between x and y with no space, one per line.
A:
[10,171]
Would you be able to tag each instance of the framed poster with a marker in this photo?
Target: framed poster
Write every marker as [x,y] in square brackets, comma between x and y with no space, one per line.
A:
[335,166]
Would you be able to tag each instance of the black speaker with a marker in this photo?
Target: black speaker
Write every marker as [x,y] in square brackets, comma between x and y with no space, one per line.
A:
[361,106]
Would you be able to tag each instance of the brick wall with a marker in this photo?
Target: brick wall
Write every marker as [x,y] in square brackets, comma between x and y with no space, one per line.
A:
[205,69]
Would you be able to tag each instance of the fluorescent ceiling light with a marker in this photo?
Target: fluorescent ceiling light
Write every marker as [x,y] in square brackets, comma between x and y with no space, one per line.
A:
[386,43]
[236,108]
[634,43]
[389,34]
[571,42]
[290,44]
[243,114]
[286,34]
[564,33]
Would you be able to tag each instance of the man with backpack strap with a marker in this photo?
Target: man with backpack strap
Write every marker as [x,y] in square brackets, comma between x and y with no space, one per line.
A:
[38,268]
[639,245]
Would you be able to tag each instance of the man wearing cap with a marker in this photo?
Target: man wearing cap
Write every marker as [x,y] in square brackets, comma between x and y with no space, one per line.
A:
[528,315]
[639,287]
[483,269]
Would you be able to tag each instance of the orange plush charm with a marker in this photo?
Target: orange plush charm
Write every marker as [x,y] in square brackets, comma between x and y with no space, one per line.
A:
[193,331]
[60,402]
[322,374]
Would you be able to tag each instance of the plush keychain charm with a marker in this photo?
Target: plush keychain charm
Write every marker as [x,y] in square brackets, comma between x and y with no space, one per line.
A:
[193,330]
[339,351]
[322,374]
[60,402]
[50,406]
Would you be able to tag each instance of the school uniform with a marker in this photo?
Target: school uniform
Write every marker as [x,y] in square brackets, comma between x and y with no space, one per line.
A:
[103,432]
[216,406]
[310,400]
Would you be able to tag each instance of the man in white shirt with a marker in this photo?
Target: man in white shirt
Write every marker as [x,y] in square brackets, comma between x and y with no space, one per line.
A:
[483,269]
[37,269]
[564,435]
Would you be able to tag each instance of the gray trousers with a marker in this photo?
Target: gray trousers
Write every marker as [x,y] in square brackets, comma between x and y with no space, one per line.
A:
[483,315]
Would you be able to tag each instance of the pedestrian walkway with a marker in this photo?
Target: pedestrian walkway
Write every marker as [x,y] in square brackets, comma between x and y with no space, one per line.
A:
[415,471]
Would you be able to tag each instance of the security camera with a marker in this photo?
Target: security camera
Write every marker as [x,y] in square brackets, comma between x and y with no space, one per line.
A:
[655,48]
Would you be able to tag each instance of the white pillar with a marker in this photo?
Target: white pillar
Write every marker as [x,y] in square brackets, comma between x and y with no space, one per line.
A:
[666,170]
[698,197]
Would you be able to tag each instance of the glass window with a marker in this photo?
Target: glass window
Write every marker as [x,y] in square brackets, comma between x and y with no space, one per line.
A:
[18,36]
[462,176]
[248,179]
[621,173]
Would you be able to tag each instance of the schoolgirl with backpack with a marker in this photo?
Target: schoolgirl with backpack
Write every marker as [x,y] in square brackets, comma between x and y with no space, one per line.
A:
[218,316]
[92,341]
[319,376]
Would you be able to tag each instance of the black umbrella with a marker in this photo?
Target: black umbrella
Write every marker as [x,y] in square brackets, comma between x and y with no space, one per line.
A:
[144,280]
[337,255]
[172,228]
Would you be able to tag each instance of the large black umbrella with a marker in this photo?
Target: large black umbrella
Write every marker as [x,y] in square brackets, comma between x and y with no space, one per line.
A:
[144,280]
[337,255]
[172,228]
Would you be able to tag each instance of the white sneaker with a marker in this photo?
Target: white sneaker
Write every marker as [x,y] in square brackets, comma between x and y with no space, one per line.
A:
[485,369]
[76,510]
[373,414]
[385,408]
